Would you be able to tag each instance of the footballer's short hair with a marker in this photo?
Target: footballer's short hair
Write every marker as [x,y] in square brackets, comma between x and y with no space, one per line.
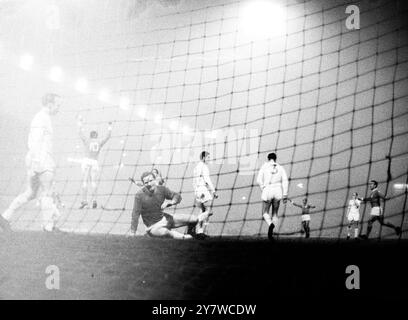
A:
[204,154]
[375,182]
[272,156]
[146,174]
[49,98]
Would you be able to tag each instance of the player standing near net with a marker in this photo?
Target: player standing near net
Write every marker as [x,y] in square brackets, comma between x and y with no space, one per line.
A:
[353,215]
[90,166]
[203,189]
[377,212]
[150,203]
[305,214]
[40,166]
[273,182]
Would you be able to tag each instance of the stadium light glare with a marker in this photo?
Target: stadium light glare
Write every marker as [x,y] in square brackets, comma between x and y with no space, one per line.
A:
[211,134]
[56,74]
[186,130]
[173,125]
[263,19]
[81,85]
[157,119]
[124,103]
[142,111]
[104,95]
[400,186]
[26,62]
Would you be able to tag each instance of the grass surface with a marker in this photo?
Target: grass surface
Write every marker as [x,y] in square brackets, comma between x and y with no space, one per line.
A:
[115,267]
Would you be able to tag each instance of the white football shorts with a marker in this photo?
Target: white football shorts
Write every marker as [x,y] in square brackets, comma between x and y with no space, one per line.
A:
[353,216]
[272,191]
[90,164]
[37,167]
[202,194]
[375,211]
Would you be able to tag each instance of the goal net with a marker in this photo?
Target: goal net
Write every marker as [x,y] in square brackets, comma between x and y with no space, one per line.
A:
[178,77]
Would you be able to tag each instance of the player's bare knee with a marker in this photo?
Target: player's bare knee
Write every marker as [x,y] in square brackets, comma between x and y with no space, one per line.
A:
[160,233]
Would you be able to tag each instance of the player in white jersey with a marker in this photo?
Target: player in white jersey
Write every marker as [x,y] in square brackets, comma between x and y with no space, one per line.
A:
[353,215]
[203,189]
[273,182]
[40,166]
[90,166]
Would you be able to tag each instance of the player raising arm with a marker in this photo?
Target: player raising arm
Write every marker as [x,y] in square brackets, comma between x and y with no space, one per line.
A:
[150,203]
[305,214]
[273,181]
[90,166]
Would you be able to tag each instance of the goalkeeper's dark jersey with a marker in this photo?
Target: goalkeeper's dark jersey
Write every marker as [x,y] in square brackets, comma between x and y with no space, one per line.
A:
[148,205]
[374,198]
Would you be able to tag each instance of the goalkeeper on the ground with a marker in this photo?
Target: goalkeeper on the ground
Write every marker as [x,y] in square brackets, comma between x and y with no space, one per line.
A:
[150,202]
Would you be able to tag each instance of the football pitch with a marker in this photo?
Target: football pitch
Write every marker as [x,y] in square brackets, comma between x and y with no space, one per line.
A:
[142,268]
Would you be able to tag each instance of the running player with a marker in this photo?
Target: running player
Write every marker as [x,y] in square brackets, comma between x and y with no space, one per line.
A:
[305,214]
[150,203]
[90,166]
[203,189]
[353,215]
[273,182]
[377,212]
[40,166]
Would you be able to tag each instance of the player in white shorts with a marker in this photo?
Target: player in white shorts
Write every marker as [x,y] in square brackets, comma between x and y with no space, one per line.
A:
[90,166]
[305,215]
[40,166]
[204,190]
[353,215]
[273,182]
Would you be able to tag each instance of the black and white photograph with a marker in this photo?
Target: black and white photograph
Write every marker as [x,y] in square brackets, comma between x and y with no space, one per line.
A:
[223,151]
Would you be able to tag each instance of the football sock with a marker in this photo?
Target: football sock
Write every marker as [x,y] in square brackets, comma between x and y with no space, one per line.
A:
[267,218]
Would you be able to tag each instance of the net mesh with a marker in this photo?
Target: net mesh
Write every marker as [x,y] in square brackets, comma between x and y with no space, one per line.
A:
[176,78]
